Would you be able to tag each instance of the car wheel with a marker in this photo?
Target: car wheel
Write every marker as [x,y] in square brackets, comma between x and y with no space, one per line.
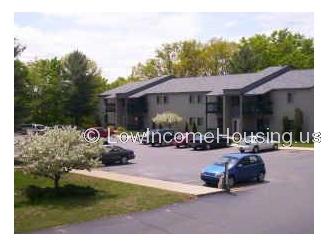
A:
[124,160]
[242,151]
[207,146]
[256,149]
[275,147]
[231,181]
[261,177]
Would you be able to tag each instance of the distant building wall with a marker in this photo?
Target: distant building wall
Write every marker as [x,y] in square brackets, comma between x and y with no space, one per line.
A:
[284,104]
[180,104]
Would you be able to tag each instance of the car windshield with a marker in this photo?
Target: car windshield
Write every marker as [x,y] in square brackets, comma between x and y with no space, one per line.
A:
[231,161]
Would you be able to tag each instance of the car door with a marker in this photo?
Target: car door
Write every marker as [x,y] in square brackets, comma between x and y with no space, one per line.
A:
[112,155]
[245,169]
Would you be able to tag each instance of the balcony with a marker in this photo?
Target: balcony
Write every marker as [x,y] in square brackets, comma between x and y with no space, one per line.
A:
[214,107]
[136,106]
[110,107]
[264,107]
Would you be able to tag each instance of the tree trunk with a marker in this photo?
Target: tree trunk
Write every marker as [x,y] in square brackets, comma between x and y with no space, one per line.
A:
[56,182]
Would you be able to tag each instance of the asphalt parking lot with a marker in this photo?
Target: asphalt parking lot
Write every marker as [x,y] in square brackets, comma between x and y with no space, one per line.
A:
[184,165]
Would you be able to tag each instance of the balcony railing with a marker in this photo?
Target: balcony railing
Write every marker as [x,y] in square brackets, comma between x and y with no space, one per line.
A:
[110,107]
[258,108]
[214,108]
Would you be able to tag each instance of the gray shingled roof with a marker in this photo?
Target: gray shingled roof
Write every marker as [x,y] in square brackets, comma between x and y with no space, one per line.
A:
[213,85]
[293,79]
[130,87]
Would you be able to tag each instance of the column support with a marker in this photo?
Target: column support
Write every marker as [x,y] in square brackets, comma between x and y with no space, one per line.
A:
[224,114]
[241,114]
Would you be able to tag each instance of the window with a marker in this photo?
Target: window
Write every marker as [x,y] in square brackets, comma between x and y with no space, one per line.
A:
[191,98]
[245,161]
[199,98]
[191,120]
[253,160]
[200,121]
[165,99]
[289,97]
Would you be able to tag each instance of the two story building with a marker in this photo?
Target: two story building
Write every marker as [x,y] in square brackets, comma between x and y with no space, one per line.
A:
[240,102]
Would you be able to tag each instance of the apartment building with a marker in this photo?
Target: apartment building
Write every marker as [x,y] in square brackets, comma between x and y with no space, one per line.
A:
[240,102]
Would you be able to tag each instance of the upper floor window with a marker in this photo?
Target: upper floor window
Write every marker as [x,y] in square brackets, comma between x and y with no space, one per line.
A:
[162,99]
[191,98]
[199,98]
[289,97]
[195,99]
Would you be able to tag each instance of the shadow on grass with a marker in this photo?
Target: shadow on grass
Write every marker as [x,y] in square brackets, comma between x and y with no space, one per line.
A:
[66,196]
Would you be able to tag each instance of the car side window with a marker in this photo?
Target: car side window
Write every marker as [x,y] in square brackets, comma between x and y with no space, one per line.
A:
[245,161]
[253,160]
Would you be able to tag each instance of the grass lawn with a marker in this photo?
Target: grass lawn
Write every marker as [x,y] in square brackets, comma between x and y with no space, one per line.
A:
[80,198]
[297,144]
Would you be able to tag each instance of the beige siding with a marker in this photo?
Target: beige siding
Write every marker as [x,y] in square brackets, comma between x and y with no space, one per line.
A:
[178,103]
[301,98]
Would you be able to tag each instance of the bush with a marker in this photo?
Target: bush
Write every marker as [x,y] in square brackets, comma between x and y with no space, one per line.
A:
[187,127]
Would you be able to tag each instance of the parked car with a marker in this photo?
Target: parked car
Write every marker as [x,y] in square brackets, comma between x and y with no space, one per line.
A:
[183,140]
[147,138]
[162,137]
[242,167]
[202,142]
[32,128]
[113,154]
[256,144]
[103,132]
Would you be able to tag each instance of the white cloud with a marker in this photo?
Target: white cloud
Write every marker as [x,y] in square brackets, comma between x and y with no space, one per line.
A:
[115,41]
[297,22]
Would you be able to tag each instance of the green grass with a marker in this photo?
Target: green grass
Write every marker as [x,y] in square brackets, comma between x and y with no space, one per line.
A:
[297,144]
[80,198]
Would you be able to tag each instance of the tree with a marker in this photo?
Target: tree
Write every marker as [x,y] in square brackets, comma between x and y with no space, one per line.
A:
[58,152]
[282,47]
[167,118]
[49,92]
[84,80]
[21,86]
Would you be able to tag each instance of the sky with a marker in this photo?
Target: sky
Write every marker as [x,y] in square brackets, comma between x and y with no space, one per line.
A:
[118,41]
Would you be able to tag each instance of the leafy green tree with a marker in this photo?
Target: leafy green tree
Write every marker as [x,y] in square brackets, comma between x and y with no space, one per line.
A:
[83,80]
[49,92]
[21,86]
[282,47]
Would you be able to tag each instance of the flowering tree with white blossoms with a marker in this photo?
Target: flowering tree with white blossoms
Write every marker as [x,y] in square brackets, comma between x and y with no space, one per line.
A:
[58,151]
[167,118]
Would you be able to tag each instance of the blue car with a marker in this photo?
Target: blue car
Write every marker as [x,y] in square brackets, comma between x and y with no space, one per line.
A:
[242,167]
